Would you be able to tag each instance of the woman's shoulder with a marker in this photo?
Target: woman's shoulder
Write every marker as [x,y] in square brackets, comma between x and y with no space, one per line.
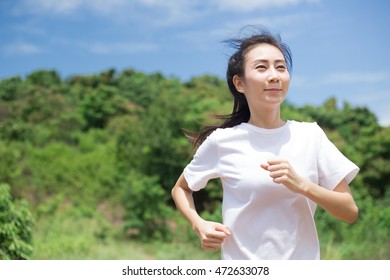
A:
[313,126]
[226,133]
[306,129]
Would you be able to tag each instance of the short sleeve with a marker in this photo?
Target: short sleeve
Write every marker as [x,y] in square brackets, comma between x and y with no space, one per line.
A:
[333,166]
[204,165]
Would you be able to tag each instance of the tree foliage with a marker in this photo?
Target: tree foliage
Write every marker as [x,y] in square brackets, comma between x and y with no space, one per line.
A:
[15,226]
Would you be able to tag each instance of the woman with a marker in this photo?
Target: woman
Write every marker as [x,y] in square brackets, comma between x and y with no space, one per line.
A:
[273,172]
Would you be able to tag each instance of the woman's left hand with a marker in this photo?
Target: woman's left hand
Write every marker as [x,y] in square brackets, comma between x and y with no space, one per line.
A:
[282,172]
[338,202]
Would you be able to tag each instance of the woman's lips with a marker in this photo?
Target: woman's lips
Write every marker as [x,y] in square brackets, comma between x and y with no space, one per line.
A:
[273,90]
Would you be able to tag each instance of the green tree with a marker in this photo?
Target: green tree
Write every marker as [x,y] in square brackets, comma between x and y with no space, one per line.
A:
[10,88]
[155,144]
[147,212]
[16,222]
[44,78]
[9,165]
[375,167]
[99,104]
[141,88]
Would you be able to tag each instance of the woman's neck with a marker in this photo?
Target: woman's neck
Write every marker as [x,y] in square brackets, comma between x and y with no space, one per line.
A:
[266,119]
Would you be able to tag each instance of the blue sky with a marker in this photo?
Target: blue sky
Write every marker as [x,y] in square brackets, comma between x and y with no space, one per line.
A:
[340,48]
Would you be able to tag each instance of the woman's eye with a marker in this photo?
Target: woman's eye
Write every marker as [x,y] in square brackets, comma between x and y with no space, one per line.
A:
[261,67]
[281,67]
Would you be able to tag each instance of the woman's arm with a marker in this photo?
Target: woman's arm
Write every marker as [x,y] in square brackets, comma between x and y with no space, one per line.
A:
[210,234]
[339,202]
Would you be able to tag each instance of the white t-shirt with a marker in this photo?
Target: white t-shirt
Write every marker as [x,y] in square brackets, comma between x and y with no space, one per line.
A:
[267,220]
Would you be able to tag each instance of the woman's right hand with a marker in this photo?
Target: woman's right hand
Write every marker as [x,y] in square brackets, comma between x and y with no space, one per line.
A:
[211,234]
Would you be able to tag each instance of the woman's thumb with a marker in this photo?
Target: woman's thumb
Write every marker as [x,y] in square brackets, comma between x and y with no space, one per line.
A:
[224,229]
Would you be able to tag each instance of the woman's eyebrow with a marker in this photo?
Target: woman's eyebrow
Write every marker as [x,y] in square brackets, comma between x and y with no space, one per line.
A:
[268,61]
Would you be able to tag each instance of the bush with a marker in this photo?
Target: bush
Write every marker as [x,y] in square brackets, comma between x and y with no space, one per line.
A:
[85,174]
[146,208]
[15,226]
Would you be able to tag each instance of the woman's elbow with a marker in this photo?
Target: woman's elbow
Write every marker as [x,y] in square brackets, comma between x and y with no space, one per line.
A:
[354,214]
[174,191]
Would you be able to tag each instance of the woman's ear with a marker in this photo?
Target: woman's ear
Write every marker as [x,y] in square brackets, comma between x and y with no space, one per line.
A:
[238,83]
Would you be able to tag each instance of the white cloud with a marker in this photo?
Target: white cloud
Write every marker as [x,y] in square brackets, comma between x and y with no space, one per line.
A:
[348,78]
[250,5]
[29,29]
[118,48]
[343,78]
[277,22]
[47,6]
[104,47]
[20,48]
[58,7]
[150,12]
[168,12]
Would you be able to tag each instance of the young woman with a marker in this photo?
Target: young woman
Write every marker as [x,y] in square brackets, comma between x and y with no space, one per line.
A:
[273,172]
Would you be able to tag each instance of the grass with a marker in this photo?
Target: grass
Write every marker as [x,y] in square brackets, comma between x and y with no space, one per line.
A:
[131,250]
[75,236]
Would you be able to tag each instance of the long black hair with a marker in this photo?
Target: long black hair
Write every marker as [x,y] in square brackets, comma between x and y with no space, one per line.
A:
[236,63]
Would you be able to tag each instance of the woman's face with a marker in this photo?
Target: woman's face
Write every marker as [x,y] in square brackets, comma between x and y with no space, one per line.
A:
[266,78]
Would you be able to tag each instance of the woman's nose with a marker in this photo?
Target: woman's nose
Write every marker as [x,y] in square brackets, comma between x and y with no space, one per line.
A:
[273,75]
